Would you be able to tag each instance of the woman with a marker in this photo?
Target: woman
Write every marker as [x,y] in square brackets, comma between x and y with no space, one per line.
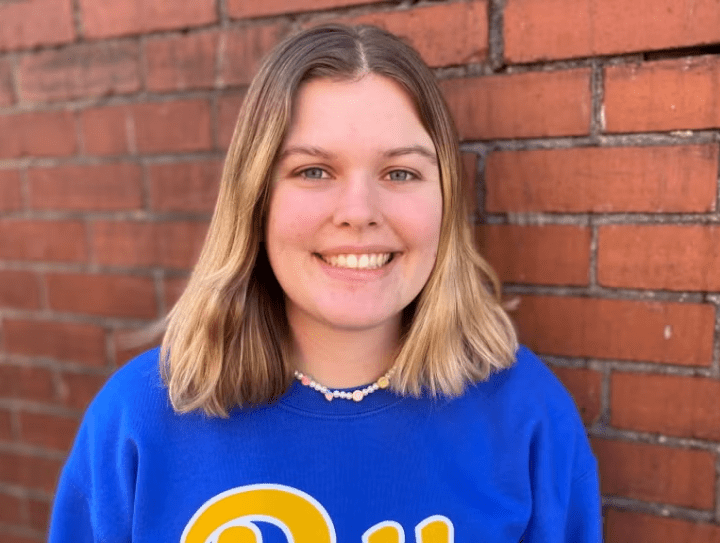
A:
[339,367]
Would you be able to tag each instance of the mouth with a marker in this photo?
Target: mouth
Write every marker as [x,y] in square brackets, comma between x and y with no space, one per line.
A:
[365,261]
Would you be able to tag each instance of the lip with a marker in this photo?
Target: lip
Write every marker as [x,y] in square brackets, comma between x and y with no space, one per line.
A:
[355,274]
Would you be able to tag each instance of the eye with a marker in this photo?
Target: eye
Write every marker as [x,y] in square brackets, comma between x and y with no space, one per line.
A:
[401,175]
[313,173]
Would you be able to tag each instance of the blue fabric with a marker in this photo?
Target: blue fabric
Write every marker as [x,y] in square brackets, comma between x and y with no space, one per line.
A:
[509,461]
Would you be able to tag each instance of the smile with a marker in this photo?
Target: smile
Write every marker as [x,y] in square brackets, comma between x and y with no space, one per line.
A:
[359,261]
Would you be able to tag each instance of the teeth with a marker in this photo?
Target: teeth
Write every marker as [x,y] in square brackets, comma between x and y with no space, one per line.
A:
[360,262]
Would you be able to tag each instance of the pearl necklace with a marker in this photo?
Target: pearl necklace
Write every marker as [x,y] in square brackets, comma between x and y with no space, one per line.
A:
[356,395]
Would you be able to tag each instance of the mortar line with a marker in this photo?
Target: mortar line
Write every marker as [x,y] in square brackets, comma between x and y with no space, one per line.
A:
[597,93]
[496,34]
[657,509]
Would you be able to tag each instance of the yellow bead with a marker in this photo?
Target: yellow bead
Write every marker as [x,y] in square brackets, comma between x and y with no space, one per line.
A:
[383,382]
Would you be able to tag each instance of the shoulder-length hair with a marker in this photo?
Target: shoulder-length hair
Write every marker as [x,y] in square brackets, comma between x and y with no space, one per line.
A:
[226,341]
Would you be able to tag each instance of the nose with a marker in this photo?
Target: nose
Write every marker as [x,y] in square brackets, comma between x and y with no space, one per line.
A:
[358,203]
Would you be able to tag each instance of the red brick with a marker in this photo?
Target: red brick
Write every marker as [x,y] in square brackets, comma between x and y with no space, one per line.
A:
[672,257]
[39,514]
[50,431]
[78,389]
[82,343]
[19,289]
[228,109]
[143,16]
[181,62]
[6,431]
[666,404]
[242,9]
[168,244]
[663,95]
[185,186]
[38,22]
[79,71]
[10,190]
[7,88]
[34,472]
[585,386]
[10,509]
[27,383]
[582,28]
[107,295]
[618,329]
[182,125]
[105,187]
[131,343]
[38,134]
[11,538]
[444,34]
[525,105]
[469,173]
[549,255]
[656,473]
[174,287]
[639,528]
[42,240]
[105,130]
[606,179]
[244,48]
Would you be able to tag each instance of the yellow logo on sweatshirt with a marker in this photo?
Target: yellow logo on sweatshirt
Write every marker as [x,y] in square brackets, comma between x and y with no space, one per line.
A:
[230,517]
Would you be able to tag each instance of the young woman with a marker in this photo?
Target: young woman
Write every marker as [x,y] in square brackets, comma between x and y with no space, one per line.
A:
[339,367]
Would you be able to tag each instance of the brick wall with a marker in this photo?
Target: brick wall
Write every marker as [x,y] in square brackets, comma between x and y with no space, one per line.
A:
[590,135]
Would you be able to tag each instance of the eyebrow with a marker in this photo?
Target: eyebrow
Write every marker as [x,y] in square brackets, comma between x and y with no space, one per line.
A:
[390,153]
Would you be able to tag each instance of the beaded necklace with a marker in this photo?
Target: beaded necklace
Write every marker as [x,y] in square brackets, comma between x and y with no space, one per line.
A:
[356,395]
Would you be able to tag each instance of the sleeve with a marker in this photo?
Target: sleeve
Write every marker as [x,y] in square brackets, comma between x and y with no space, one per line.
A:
[583,521]
[95,495]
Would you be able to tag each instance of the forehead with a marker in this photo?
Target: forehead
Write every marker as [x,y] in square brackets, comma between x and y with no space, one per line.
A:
[373,108]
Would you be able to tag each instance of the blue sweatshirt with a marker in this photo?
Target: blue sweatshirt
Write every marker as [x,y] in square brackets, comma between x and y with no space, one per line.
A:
[508,461]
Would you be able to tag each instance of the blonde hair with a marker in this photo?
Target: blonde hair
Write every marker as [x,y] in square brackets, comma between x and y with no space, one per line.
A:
[225,344]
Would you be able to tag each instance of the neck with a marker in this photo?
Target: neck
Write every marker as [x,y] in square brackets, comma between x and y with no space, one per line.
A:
[342,358]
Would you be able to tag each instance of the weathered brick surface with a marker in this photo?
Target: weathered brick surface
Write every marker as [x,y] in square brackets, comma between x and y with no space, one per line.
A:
[10,190]
[663,95]
[49,133]
[76,390]
[185,186]
[580,28]
[585,386]
[182,125]
[19,289]
[108,295]
[672,257]
[174,287]
[104,130]
[39,22]
[550,255]
[244,48]
[10,508]
[462,37]
[7,87]
[27,382]
[181,62]
[671,333]
[606,179]
[102,187]
[242,9]
[39,514]
[42,240]
[666,404]
[173,244]
[34,472]
[142,16]
[78,71]
[6,434]
[656,473]
[80,343]
[643,528]
[228,109]
[49,431]
[527,105]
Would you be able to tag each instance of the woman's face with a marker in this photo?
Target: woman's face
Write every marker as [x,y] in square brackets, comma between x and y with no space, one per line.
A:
[355,209]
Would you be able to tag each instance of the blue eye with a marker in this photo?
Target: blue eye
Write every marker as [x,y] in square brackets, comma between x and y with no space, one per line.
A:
[313,173]
[401,175]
